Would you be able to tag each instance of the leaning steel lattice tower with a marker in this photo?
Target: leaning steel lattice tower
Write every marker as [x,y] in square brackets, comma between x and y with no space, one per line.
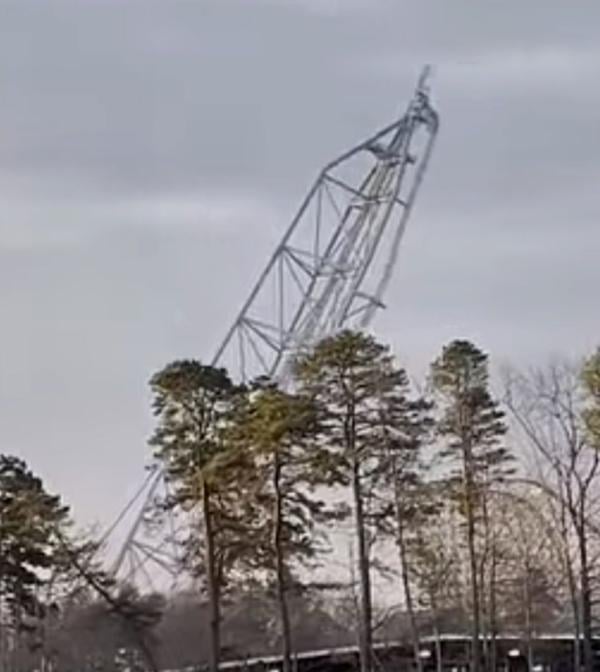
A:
[329,272]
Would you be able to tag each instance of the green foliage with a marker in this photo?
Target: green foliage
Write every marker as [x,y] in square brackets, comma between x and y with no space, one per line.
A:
[258,473]
[276,431]
[471,424]
[471,428]
[191,402]
[29,550]
[591,383]
[44,570]
[369,423]
[194,405]
[371,433]
[359,393]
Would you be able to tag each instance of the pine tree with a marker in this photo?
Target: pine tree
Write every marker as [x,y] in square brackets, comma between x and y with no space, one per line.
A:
[278,430]
[352,379]
[403,424]
[471,428]
[30,520]
[193,404]
[591,384]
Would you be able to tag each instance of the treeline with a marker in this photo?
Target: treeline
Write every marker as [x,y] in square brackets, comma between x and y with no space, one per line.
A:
[53,586]
[478,509]
[432,475]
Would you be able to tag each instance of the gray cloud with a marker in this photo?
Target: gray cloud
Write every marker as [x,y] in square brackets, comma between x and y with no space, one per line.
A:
[151,154]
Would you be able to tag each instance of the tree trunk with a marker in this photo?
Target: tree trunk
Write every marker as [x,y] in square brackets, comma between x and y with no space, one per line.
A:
[471,531]
[414,630]
[586,599]
[439,663]
[2,633]
[487,590]
[528,619]
[492,610]
[576,614]
[572,584]
[483,610]
[212,582]
[366,629]
[286,644]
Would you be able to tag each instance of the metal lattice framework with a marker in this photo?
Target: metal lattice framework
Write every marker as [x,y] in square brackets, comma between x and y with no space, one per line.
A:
[329,272]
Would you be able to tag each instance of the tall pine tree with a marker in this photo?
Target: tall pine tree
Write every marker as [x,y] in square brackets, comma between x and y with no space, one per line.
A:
[365,420]
[278,430]
[591,384]
[31,521]
[403,424]
[193,404]
[471,429]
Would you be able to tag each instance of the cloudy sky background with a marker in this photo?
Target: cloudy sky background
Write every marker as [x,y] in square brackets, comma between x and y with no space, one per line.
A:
[151,153]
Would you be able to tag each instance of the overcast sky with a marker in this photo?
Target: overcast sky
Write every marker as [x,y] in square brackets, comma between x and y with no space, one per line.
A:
[152,152]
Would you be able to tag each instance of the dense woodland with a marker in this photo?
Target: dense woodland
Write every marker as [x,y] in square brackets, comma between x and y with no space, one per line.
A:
[477,504]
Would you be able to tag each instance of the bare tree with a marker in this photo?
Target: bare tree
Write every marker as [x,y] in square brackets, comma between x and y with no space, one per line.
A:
[548,408]
[531,576]
[434,569]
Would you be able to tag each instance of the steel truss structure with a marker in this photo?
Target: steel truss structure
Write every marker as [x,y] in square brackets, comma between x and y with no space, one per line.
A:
[329,272]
